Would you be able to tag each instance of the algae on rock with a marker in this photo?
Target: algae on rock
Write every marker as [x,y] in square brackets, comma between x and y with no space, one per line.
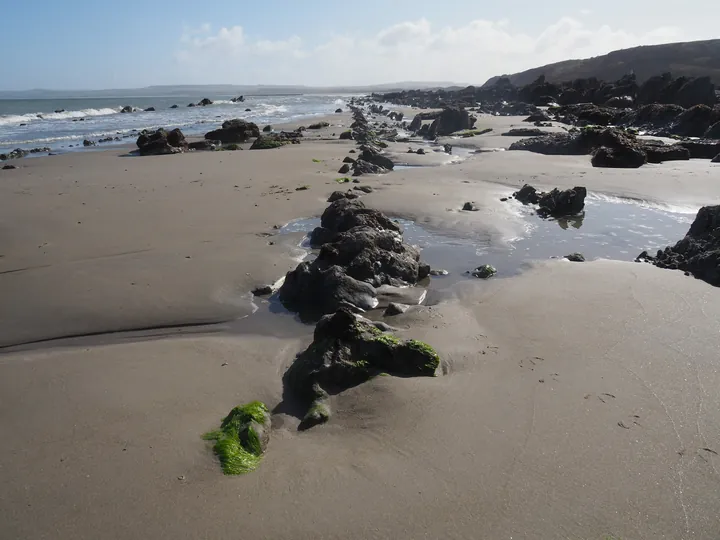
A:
[242,438]
[348,350]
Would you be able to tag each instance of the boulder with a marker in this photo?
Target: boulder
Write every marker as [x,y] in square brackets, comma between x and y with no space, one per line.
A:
[484,272]
[173,106]
[126,109]
[268,142]
[263,290]
[630,157]
[395,308]
[191,105]
[86,142]
[376,158]
[238,99]
[177,139]
[150,109]
[527,195]
[337,195]
[575,257]
[449,121]
[558,203]
[662,152]
[702,148]
[346,135]
[156,143]
[539,116]
[234,131]
[470,207]
[361,167]
[319,125]
[204,102]
[348,159]
[699,252]
[713,132]
[344,169]
[348,350]
[416,123]
[524,132]
[338,110]
[364,189]
[267,129]
[716,159]
[9,167]
[203,145]
[694,122]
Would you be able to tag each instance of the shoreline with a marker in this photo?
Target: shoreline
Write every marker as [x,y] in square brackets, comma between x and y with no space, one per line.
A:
[517,437]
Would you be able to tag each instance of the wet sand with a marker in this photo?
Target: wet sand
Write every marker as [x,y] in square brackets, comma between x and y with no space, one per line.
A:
[576,400]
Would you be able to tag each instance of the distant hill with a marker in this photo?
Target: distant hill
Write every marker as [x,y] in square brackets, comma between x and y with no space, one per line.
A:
[691,59]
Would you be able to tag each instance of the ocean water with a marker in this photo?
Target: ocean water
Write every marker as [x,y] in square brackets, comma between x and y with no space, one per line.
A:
[31,123]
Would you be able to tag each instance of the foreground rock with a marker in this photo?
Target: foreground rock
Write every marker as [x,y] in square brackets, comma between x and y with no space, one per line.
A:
[242,439]
[360,249]
[161,142]
[276,140]
[449,121]
[698,253]
[555,203]
[347,350]
[234,131]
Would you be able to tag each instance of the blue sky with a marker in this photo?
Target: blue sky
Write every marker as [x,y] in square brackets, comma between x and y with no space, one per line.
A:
[71,44]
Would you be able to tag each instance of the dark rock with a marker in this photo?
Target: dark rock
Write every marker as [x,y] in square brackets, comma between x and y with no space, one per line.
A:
[588,114]
[155,143]
[344,169]
[346,135]
[338,110]
[364,189]
[337,195]
[39,150]
[346,351]
[701,149]
[375,158]
[662,152]
[203,145]
[484,272]
[267,129]
[191,105]
[694,122]
[630,157]
[620,102]
[150,109]
[239,99]
[264,290]
[524,132]
[438,272]
[248,110]
[204,102]
[470,207]
[9,167]
[58,111]
[527,195]
[234,131]
[86,142]
[449,121]
[447,148]
[363,167]
[348,160]
[177,139]
[395,309]
[420,151]
[15,154]
[575,257]
[558,203]
[716,159]
[319,125]
[126,109]
[539,116]
[713,132]
[267,142]
[699,252]
[173,106]
[351,151]
[415,124]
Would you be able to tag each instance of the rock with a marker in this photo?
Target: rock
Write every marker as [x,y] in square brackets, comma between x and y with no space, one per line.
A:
[524,132]
[527,195]
[364,189]
[9,167]
[363,167]
[626,157]
[713,132]
[155,143]
[588,114]
[238,99]
[701,149]
[558,203]
[346,351]
[126,109]
[539,116]
[344,169]
[173,106]
[395,308]
[58,111]
[578,142]
[470,207]
[267,129]
[348,160]
[234,131]
[699,252]
[191,105]
[716,159]
[263,290]
[346,135]
[338,110]
[337,195]
[420,151]
[38,150]
[86,142]
[620,102]
[447,148]
[248,110]
[415,124]
[204,102]
[662,152]
[694,122]
[438,272]
[351,151]
[319,125]
[150,109]
[370,156]
[177,139]
[575,257]
[484,272]
[203,145]
[267,142]
[15,154]
[449,121]
[243,438]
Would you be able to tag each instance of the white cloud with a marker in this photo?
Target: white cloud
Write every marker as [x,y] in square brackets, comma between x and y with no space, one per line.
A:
[410,50]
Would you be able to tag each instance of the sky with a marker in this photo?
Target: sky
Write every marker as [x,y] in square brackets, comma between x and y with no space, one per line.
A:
[72,44]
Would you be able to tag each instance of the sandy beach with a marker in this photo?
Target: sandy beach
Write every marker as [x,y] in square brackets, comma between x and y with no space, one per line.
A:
[577,401]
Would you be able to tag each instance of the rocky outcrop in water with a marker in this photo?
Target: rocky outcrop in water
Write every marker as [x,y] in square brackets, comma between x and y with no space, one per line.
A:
[698,253]
[348,350]
[555,203]
[234,131]
[360,249]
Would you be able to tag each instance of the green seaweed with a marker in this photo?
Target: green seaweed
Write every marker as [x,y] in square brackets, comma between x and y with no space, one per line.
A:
[231,146]
[343,180]
[388,339]
[420,346]
[239,456]
[317,160]
[319,413]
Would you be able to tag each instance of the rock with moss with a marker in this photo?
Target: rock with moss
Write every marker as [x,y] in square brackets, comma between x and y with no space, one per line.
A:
[242,438]
[484,272]
[347,350]
[267,142]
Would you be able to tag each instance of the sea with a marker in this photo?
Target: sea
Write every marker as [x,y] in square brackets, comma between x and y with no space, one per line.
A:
[63,124]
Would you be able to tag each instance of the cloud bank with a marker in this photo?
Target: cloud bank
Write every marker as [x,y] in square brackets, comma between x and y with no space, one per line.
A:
[411,50]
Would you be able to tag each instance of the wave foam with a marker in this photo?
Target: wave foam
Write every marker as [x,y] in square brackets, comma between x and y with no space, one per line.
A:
[12,119]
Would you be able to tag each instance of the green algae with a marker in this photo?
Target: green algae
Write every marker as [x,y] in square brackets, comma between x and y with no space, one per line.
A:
[237,442]
[388,339]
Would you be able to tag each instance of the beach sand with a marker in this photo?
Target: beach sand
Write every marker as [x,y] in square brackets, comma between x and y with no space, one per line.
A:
[576,401]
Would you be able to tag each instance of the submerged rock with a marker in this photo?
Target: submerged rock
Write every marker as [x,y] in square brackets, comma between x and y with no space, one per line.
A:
[242,439]
[554,203]
[699,252]
[346,351]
